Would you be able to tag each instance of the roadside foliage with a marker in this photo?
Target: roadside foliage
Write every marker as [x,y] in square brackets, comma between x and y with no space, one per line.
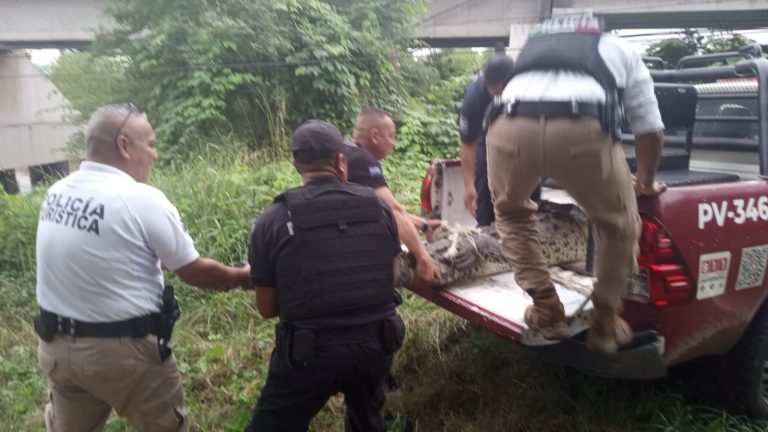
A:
[224,82]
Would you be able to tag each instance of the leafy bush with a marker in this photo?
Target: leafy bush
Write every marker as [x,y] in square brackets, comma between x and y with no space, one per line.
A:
[220,191]
[451,376]
[690,42]
[259,68]
[429,124]
[17,232]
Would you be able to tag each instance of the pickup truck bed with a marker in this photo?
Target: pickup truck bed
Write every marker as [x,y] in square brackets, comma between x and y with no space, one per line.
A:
[498,303]
[701,285]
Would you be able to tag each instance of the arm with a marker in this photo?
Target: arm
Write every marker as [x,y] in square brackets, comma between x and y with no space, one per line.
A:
[648,152]
[208,273]
[426,271]
[266,301]
[473,106]
[468,167]
[642,111]
[424,225]
[262,246]
[168,239]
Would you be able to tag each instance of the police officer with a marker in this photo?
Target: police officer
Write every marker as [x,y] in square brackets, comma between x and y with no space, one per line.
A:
[374,136]
[104,325]
[478,95]
[322,261]
[563,110]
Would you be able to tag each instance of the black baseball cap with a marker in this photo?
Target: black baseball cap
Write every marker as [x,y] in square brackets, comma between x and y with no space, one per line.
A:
[500,67]
[316,140]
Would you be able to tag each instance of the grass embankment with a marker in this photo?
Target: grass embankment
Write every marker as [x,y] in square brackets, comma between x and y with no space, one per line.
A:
[451,376]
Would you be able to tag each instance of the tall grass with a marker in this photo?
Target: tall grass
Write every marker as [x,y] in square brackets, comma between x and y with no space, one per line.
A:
[450,376]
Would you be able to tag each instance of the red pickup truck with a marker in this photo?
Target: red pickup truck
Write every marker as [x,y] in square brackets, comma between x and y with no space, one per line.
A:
[701,288]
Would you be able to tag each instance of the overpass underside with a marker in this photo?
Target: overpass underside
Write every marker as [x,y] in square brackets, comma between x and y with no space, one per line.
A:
[472,23]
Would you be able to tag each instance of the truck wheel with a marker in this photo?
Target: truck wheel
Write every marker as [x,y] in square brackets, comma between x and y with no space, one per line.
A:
[748,363]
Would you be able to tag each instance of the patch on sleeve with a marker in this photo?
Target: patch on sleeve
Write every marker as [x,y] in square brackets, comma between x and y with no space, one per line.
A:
[375,171]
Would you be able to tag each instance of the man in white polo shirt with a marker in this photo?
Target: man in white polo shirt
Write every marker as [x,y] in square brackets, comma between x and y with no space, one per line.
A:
[563,108]
[102,238]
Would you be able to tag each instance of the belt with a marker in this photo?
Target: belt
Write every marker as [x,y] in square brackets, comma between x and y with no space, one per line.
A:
[349,335]
[571,109]
[133,327]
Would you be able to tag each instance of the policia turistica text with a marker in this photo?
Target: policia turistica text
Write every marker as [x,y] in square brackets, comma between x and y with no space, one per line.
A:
[322,260]
[562,111]
[105,318]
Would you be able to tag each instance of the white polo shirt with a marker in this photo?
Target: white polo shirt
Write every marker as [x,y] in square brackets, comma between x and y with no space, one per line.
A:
[101,239]
[628,69]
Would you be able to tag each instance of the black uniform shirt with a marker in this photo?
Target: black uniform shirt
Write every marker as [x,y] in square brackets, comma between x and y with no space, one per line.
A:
[363,167]
[473,106]
[270,236]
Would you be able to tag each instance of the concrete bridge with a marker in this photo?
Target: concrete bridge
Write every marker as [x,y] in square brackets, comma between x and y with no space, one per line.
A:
[467,23]
[71,23]
[32,132]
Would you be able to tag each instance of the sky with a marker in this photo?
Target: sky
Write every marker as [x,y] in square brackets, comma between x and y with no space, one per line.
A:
[42,57]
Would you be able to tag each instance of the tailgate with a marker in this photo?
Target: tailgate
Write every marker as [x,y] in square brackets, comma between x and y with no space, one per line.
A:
[498,303]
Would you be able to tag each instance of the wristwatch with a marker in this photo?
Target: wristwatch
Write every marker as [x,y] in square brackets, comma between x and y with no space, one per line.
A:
[424,225]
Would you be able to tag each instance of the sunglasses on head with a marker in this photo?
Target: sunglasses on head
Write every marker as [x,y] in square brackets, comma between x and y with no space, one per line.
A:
[132,109]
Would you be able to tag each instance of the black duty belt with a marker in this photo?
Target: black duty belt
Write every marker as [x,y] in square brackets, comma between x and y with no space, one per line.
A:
[133,327]
[347,335]
[364,333]
[571,109]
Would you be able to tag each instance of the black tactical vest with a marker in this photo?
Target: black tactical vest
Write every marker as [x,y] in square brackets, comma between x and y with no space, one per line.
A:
[341,255]
[575,51]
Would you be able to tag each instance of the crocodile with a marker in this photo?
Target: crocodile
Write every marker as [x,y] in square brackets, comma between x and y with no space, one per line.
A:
[461,252]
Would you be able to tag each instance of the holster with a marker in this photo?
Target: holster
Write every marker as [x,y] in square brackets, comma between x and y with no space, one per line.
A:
[398,298]
[46,326]
[494,110]
[393,334]
[612,116]
[294,345]
[169,314]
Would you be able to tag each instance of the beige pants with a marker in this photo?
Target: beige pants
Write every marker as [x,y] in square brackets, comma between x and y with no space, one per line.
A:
[88,377]
[584,161]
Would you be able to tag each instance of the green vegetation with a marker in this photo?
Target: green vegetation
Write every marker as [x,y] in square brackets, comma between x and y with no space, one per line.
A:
[451,376]
[224,82]
[256,69]
[692,42]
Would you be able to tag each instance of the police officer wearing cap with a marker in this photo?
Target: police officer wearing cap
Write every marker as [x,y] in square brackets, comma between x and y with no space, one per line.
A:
[478,95]
[322,260]
[563,109]
[105,317]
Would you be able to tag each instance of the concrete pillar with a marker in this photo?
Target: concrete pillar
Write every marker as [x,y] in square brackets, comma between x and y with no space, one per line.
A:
[48,173]
[8,181]
[32,129]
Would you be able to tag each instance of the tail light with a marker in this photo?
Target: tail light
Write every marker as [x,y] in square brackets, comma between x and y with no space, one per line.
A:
[663,277]
[426,189]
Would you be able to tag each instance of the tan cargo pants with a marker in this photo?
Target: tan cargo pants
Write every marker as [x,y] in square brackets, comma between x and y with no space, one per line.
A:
[88,377]
[584,161]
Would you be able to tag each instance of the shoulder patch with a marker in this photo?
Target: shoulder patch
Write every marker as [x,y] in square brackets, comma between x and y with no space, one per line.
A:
[375,171]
